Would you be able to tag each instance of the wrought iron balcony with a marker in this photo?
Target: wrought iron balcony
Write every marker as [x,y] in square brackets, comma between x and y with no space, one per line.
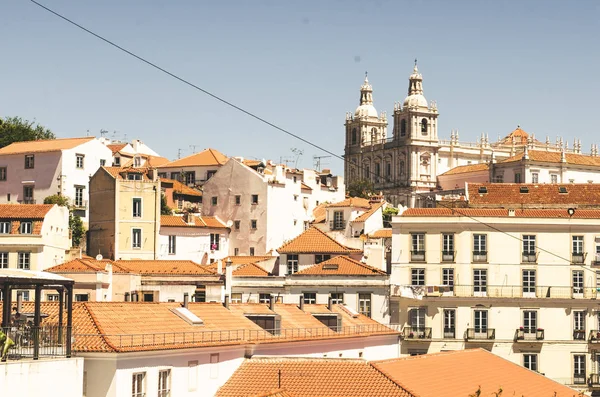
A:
[480,256]
[417,256]
[26,201]
[32,342]
[337,225]
[594,336]
[420,333]
[529,257]
[579,379]
[596,261]
[448,256]
[480,334]
[80,204]
[578,257]
[449,333]
[502,291]
[529,334]
[594,381]
[579,334]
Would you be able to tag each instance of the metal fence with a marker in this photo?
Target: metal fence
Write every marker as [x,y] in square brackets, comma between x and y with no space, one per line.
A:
[51,341]
[501,291]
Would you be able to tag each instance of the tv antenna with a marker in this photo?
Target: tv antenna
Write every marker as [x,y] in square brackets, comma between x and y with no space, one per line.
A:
[285,160]
[298,153]
[318,163]
[179,153]
[193,148]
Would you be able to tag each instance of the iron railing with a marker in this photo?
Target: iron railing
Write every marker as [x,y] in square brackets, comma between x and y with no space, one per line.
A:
[578,257]
[594,380]
[579,378]
[449,333]
[504,291]
[481,334]
[416,333]
[26,201]
[479,256]
[594,336]
[529,334]
[132,341]
[579,334]
[417,256]
[448,256]
[529,257]
[51,341]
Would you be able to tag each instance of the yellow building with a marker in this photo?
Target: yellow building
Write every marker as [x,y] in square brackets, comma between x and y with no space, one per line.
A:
[124,213]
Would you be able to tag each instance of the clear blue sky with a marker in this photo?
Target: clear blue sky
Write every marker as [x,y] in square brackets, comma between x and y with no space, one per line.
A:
[489,64]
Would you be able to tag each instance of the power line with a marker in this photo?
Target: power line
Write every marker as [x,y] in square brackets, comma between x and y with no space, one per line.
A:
[254,116]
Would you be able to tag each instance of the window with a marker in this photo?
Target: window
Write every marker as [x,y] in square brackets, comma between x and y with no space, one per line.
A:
[52,297]
[403,127]
[529,283]
[213,200]
[448,277]
[164,383]
[295,197]
[354,137]
[2,173]
[136,238]
[79,160]
[175,176]
[479,248]
[102,162]
[417,276]
[253,224]
[251,251]
[148,297]
[214,242]
[518,177]
[499,178]
[3,260]
[24,260]
[238,200]
[553,178]
[530,321]
[4,227]
[416,318]
[448,247]
[264,298]
[236,251]
[24,295]
[480,282]
[236,225]
[79,196]
[338,221]
[579,369]
[578,324]
[530,361]
[82,297]
[529,252]
[209,174]
[337,298]
[480,321]
[255,199]
[310,298]
[292,264]
[172,245]
[322,258]
[418,247]
[28,194]
[190,178]
[29,161]
[449,323]
[424,126]
[268,323]
[25,227]
[134,176]
[535,177]
[577,256]
[236,298]
[138,385]
[137,207]
[577,283]
[364,304]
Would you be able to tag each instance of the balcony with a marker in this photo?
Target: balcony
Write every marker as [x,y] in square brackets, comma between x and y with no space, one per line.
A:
[596,261]
[529,257]
[594,381]
[529,334]
[26,201]
[479,256]
[579,379]
[417,256]
[448,256]
[449,333]
[578,258]
[37,342]
[579,334]
[337,225]
[499,291]
[80,204]
[416,333]
[480,334]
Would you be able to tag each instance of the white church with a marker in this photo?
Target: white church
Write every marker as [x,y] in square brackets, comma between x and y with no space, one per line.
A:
[414,160]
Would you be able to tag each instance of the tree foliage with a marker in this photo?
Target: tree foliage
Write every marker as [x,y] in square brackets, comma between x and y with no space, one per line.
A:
[57,199]
[75,223]
[361,188]
[164,208]
[387,216]
[16,129]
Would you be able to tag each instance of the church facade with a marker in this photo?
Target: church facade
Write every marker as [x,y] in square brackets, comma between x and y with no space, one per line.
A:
[406,163]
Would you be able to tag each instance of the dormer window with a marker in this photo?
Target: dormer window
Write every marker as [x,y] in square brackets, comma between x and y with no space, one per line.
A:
[4,227]
[332,321]
[137,161]
[424,126]
[25,227]
[134,177]
[269,323]
[117,161]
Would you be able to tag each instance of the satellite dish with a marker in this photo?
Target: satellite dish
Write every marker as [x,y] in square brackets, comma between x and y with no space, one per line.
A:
[99,257]
[229,223]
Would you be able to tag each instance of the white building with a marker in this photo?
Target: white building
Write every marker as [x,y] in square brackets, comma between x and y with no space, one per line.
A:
[195,169]
[134,154]
[522,283]
[202,239]
[266,204]
[32,171]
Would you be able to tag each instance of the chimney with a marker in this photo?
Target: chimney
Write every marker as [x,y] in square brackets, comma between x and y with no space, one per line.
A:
[301,306]
[329,303]
[126,296]
[219,267]
[19,302]
[511,212]
[228,276]
[272,303]
[186,298]
[226,303]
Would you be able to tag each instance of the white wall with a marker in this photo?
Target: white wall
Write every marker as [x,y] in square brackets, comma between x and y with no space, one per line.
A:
[192,243]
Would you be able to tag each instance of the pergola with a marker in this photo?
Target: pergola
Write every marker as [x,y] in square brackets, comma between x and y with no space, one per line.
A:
[11,279]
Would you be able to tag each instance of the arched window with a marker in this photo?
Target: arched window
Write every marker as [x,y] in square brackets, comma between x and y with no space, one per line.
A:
[378,169]
[424,126]
[403,127]
[354,138]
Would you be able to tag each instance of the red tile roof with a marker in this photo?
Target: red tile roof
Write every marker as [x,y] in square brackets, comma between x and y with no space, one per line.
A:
[340,266]
[500,213]
[305,186]
[320,213]
[309,377]
[462,169]
[463,372]
[181,188]
[274,393]
[555,157]
[539,195]
[521,137]
[147,267]
[381,233]
[244,259]
[250,270]
[367,214]
[313,240]
[352,202]
[117,172]
[24,211]
[198,221]
[116,147]
[50,145]
[207,157]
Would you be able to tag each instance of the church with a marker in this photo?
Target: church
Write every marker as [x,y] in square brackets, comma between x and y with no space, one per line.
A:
[412,166]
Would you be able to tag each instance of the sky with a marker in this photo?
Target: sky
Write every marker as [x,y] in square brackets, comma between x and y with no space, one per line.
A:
[490,66]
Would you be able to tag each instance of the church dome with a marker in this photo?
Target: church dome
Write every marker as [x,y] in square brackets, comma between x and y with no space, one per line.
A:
[366,110]
[366,107]
[415,96]
[415,100]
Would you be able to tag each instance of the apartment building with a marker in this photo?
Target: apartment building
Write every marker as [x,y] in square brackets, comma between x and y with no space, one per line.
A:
[125,213]
[195,169]
[31,171]
[522,283]
[134,154]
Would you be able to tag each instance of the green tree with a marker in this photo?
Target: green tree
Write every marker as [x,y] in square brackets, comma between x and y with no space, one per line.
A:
[57,199]
[387,216]
[75,223]
[15,129]
[361,188]
[164,208]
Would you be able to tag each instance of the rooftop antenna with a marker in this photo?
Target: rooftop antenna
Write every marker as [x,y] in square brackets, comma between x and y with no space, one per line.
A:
[285,160]
[193,148]
[318,163]
[102,133]
[298,153]
[179,153]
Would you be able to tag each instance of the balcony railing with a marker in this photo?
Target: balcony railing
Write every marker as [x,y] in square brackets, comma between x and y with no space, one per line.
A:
[578,257]
[26,201]
[594,380]
[579,379]
[80,204]
[529,257]
[529,334]
[417,256]
[579,334]
[594,336]
[480,256]
[51,341]
[596,261]
[503,291]
[449,333]
[337,225]
[481,334]
[416,333]
[448,256]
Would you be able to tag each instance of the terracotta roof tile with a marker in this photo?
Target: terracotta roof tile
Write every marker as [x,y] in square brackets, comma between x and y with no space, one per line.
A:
[540,195]
[367,214]
[462,372]
[156,161]
[341,266]
[274,393]
[51,145]
[555,157]
[117,172]
[520,136]
[352,202]
[462,169]
[305,186]
[382,233]
[198,221]
[147,267]
[313,240]
[250,270]
[116,147]
[24,211]
[181,188]
[243,259]
[206,157]
[309,377]
[320,213]
[500,213]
